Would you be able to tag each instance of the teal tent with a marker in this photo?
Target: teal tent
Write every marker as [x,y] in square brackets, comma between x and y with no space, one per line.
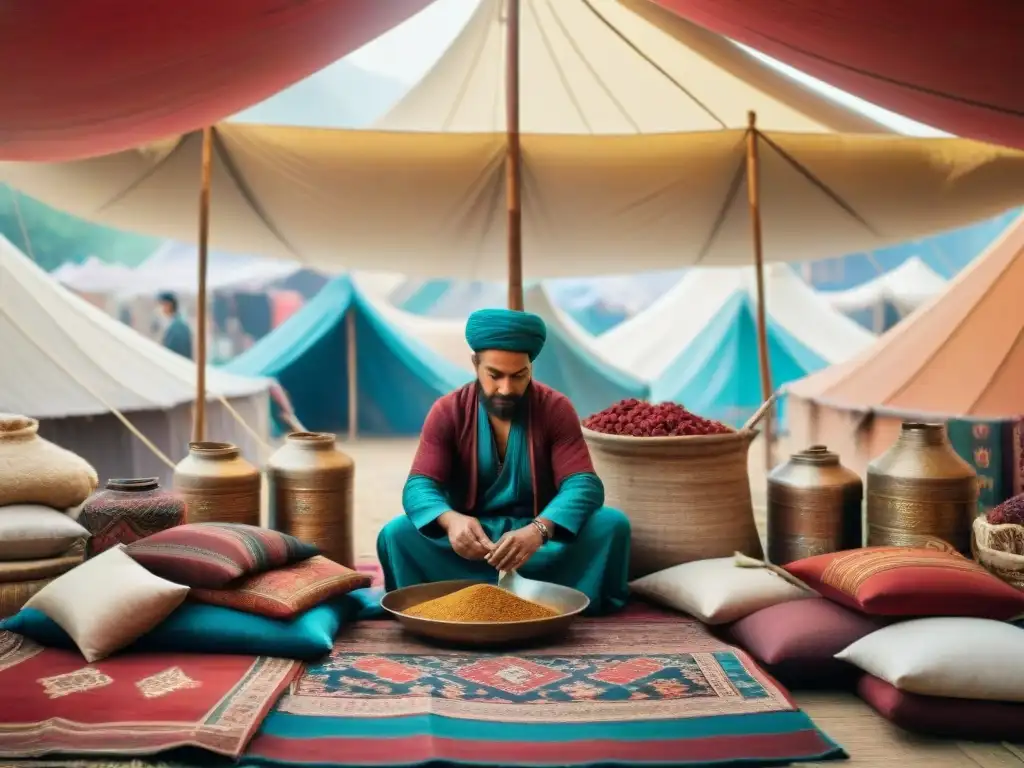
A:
[397,378]
[569,365]
[717,375]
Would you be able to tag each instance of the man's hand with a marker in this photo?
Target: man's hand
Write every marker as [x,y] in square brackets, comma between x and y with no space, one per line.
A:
[466,535]
[515,548]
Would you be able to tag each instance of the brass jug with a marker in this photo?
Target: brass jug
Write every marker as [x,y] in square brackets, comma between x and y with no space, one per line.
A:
[311,487]
[218,485]
[920,489]
[815,506]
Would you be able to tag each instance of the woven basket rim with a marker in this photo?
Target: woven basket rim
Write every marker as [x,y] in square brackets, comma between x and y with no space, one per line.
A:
[725,437]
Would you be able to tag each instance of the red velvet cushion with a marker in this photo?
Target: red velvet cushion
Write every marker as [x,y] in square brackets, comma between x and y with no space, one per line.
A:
[212,554]
[284,593]
[935,715]
[797,641]
[900,581]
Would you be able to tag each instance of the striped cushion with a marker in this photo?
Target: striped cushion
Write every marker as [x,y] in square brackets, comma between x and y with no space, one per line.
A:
[210,555]
[286,592]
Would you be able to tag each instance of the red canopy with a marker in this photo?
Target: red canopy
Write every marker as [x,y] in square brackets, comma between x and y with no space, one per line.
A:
[957,65]
[88,77]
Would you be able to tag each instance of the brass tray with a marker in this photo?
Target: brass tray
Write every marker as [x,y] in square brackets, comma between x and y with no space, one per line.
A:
[567,601]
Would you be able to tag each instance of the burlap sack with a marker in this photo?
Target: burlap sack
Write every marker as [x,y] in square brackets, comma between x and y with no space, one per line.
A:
[35,471]
[1000,549]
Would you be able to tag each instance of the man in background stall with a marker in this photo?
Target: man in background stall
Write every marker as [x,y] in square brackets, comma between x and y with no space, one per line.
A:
[177,335]
[503,481]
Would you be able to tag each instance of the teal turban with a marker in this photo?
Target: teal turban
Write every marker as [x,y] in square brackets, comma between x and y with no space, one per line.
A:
[507,330]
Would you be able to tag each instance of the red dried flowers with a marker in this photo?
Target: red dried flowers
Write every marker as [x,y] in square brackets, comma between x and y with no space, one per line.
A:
[637,418]
[1010,511]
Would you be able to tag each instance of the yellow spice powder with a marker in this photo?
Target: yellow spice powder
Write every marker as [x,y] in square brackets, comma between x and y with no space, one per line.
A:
[480,603]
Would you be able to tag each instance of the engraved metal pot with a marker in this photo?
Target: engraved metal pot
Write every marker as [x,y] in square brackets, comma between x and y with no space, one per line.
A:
[920,489]
[815,506]
[311,491]
[218,485]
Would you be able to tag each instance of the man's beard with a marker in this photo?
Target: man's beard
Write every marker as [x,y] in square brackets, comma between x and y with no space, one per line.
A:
[503,407]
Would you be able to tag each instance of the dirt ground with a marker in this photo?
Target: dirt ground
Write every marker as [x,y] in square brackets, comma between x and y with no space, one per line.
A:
[381,469]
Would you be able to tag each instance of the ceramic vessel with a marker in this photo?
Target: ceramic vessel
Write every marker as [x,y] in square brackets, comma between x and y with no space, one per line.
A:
[35,471]
[218,485]
[920,490]
[311,492]
[127,510]
[815,506]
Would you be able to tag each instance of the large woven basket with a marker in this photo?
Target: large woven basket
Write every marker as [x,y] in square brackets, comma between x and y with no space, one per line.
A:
[1000,549]
[14,595]
[688,498]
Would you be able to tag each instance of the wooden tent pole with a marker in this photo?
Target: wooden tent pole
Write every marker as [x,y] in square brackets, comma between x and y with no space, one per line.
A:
[206,172]
[513,157]
[754,199]
[353,374]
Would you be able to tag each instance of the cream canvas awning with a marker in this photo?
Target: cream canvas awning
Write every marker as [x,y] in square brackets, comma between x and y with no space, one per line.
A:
[633,159]
[608,66]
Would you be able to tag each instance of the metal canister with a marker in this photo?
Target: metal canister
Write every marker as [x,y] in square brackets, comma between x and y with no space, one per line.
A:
[311,487]
[919,490]
[815,506]
[218,485]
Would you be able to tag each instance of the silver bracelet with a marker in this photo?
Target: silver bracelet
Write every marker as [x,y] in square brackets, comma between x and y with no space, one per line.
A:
[545,534]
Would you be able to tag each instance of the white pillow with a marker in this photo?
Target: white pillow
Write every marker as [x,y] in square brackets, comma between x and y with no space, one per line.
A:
[955,657]
[35,532]
[107,602]
[718,591]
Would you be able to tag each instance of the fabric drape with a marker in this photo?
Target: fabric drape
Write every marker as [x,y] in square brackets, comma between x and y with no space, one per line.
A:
[954,65]
[89,78]
[432,204]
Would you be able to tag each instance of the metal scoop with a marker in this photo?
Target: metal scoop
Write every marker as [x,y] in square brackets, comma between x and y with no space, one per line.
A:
[528,589]
[554,596]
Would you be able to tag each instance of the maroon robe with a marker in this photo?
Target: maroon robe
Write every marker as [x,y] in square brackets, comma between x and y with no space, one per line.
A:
[448,445]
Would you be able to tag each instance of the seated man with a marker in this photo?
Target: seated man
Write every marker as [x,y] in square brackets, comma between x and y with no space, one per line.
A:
[502,480]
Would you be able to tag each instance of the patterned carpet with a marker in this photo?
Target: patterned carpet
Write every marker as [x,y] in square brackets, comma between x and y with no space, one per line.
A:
[641,688]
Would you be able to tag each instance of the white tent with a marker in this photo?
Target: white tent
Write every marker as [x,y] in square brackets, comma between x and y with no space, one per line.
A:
[172,267]
[444,336]
[447,336]
[608,67]
[70,365]
[648,343]
[93,276]
[537,299]
[633,156]
[906,287]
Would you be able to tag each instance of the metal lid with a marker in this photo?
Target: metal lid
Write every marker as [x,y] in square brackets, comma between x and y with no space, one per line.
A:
[816,455]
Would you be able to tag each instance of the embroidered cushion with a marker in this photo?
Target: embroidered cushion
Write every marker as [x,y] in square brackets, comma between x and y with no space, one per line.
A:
[34,532]
[946,656]
[717,591]
[285,592]
[901,581]
[940,716]
[107,602]
[797,641]
[210,555]
[202,628]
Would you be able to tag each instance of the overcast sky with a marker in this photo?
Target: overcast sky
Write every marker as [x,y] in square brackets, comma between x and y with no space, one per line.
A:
[410,49]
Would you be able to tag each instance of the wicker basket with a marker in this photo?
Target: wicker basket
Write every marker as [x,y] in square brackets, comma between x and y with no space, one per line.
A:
[688,498]
[1000,549]
[14,595]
